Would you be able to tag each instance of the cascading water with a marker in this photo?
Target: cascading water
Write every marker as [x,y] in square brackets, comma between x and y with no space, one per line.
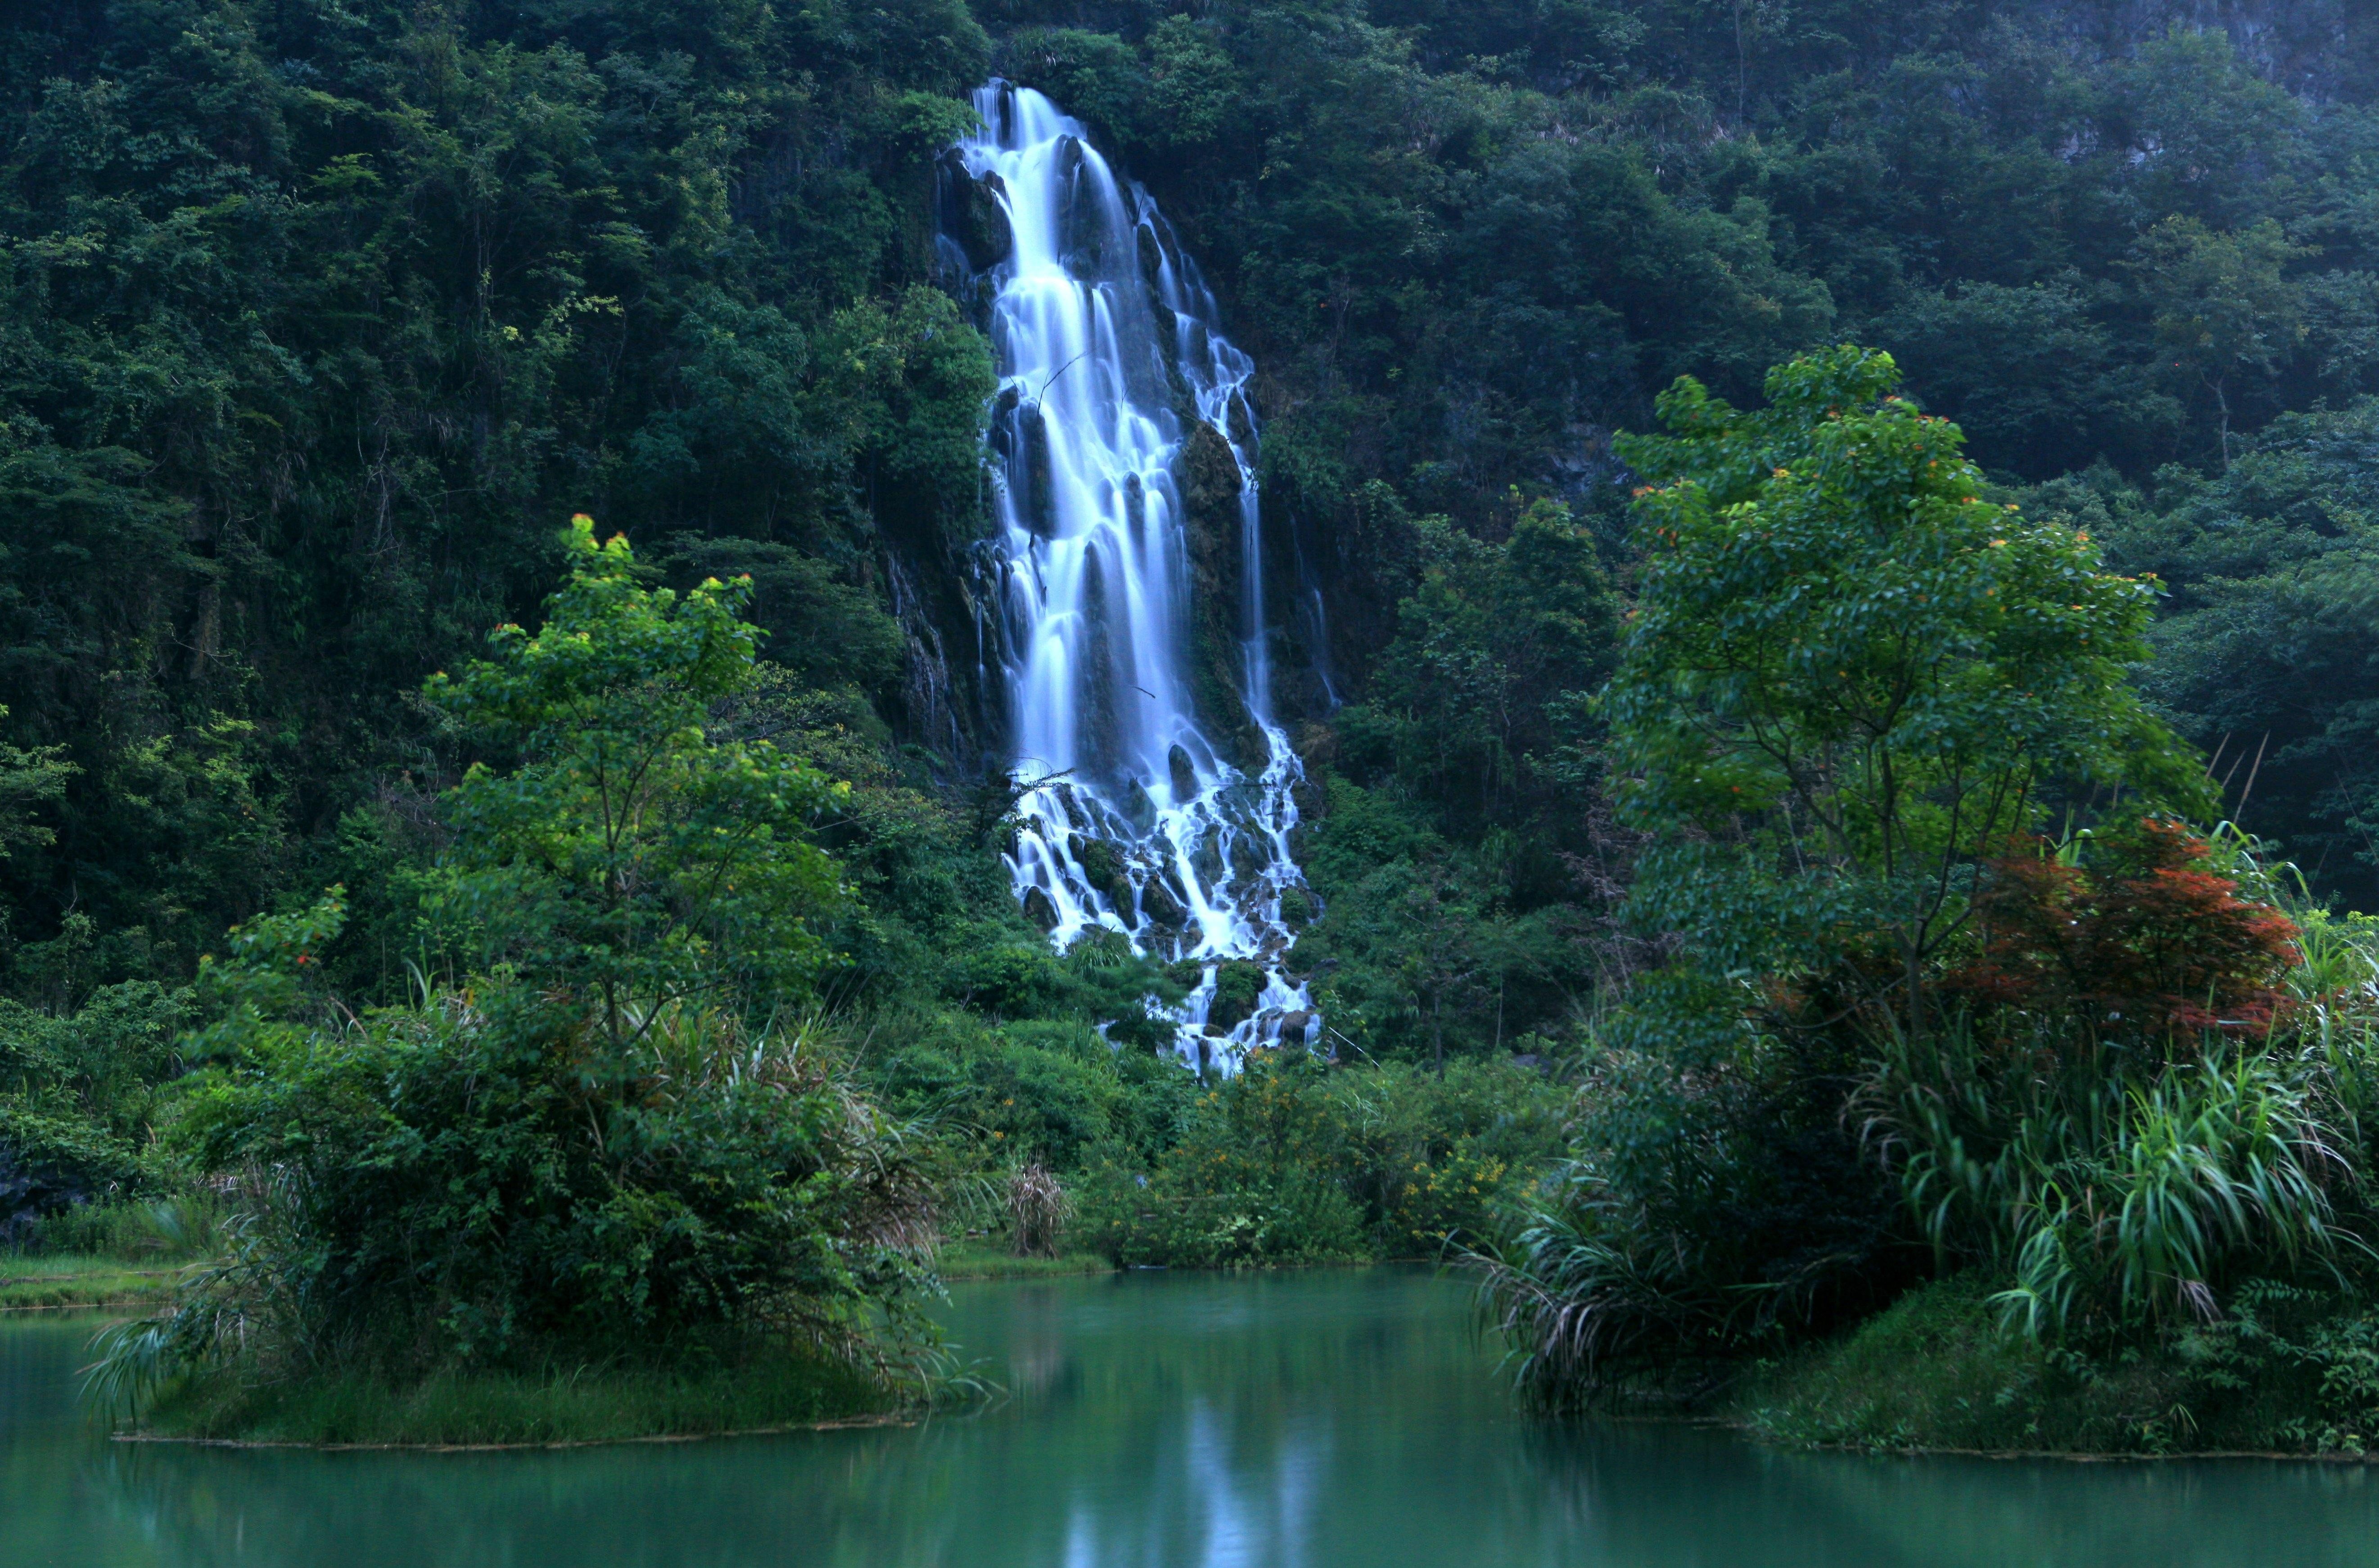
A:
[1112,372]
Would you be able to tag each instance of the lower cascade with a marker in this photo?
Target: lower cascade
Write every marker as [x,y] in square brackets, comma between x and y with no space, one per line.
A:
[1125,452]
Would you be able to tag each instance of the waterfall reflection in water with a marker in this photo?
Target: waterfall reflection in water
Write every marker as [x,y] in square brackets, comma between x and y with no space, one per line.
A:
[1308,1420]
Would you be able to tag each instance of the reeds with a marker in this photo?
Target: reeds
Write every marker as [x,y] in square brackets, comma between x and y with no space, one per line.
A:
[1038,1208]
[2109,1192]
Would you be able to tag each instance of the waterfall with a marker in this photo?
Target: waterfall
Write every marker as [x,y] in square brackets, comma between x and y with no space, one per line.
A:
[1125,446]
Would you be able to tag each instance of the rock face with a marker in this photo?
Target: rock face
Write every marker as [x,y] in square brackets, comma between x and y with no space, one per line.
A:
[971,214]
[1210,483]
[39,1176]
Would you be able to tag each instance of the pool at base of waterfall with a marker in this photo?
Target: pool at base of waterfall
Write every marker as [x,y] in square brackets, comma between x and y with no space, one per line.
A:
[1327,1419]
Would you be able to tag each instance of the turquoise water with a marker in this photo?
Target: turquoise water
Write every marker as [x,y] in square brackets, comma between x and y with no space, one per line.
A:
[1308,1420]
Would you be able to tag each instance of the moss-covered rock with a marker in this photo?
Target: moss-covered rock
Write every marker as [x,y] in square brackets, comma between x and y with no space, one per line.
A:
[1237,985]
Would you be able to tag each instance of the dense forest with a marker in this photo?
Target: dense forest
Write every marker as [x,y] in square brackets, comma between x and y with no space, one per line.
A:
[319,322]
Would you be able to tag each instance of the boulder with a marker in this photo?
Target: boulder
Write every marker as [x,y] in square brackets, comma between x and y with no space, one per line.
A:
[973,214]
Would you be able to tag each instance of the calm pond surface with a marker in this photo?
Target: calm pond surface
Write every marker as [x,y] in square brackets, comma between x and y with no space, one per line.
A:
[1317,1419]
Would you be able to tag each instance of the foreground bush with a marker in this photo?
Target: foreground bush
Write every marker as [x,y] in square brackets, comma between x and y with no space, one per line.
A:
[2117,1178]
[1297,1160]
[492,1187]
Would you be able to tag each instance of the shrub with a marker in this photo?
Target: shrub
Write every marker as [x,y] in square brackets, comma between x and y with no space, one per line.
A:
[493,1182]
[50,1162]
[1038,1208]
[1712,1201]
[1297,1160]
[2135,931]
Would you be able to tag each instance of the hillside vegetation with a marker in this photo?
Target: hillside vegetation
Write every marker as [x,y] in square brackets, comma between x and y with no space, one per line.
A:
[1786,822]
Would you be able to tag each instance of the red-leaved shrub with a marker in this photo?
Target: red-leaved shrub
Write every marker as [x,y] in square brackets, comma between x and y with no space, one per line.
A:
[2144,939]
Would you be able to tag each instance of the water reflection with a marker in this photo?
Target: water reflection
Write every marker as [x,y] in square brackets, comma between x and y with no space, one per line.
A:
[1301,1421]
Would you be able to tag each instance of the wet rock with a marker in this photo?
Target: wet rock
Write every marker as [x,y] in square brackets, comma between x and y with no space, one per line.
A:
[1005,441]
[1296,1025]
[1162,905]
[1103,868]
[1036,494]
[1211,482]
[1138,809]
[1185,773]
[973,213]
[1084,222]
[1242,422]
[1039,910]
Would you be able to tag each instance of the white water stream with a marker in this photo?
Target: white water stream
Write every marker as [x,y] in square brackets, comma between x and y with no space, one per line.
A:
[1109,356]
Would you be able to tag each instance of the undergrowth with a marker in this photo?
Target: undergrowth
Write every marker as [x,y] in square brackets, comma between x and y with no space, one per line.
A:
[2288,1372]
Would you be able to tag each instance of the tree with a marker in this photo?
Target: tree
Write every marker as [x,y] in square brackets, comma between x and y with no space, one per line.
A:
[2222,306]
[629,857]
[607,1138]
[1849,680]
[28,779]
[1496,647]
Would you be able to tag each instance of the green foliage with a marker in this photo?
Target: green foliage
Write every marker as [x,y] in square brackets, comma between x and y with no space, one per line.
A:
[104,1061]
[50,1160]
[1480,698]
[1293,1161]
[1849,687]
[2263,657]
[630,857]
[1848,679]
[2223,307]
[2287,1370]
[1048,1091]
[2107,1198]
[301,400]
[28,779]
[178,1229]
[1711,1203]
[79,1101]
[611,1140]
[499,1182]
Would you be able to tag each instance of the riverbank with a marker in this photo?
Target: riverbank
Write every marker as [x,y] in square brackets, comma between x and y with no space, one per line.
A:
[476,1410]
[43,1283]
[1932,1374]
[565,1407]
[971,1261]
